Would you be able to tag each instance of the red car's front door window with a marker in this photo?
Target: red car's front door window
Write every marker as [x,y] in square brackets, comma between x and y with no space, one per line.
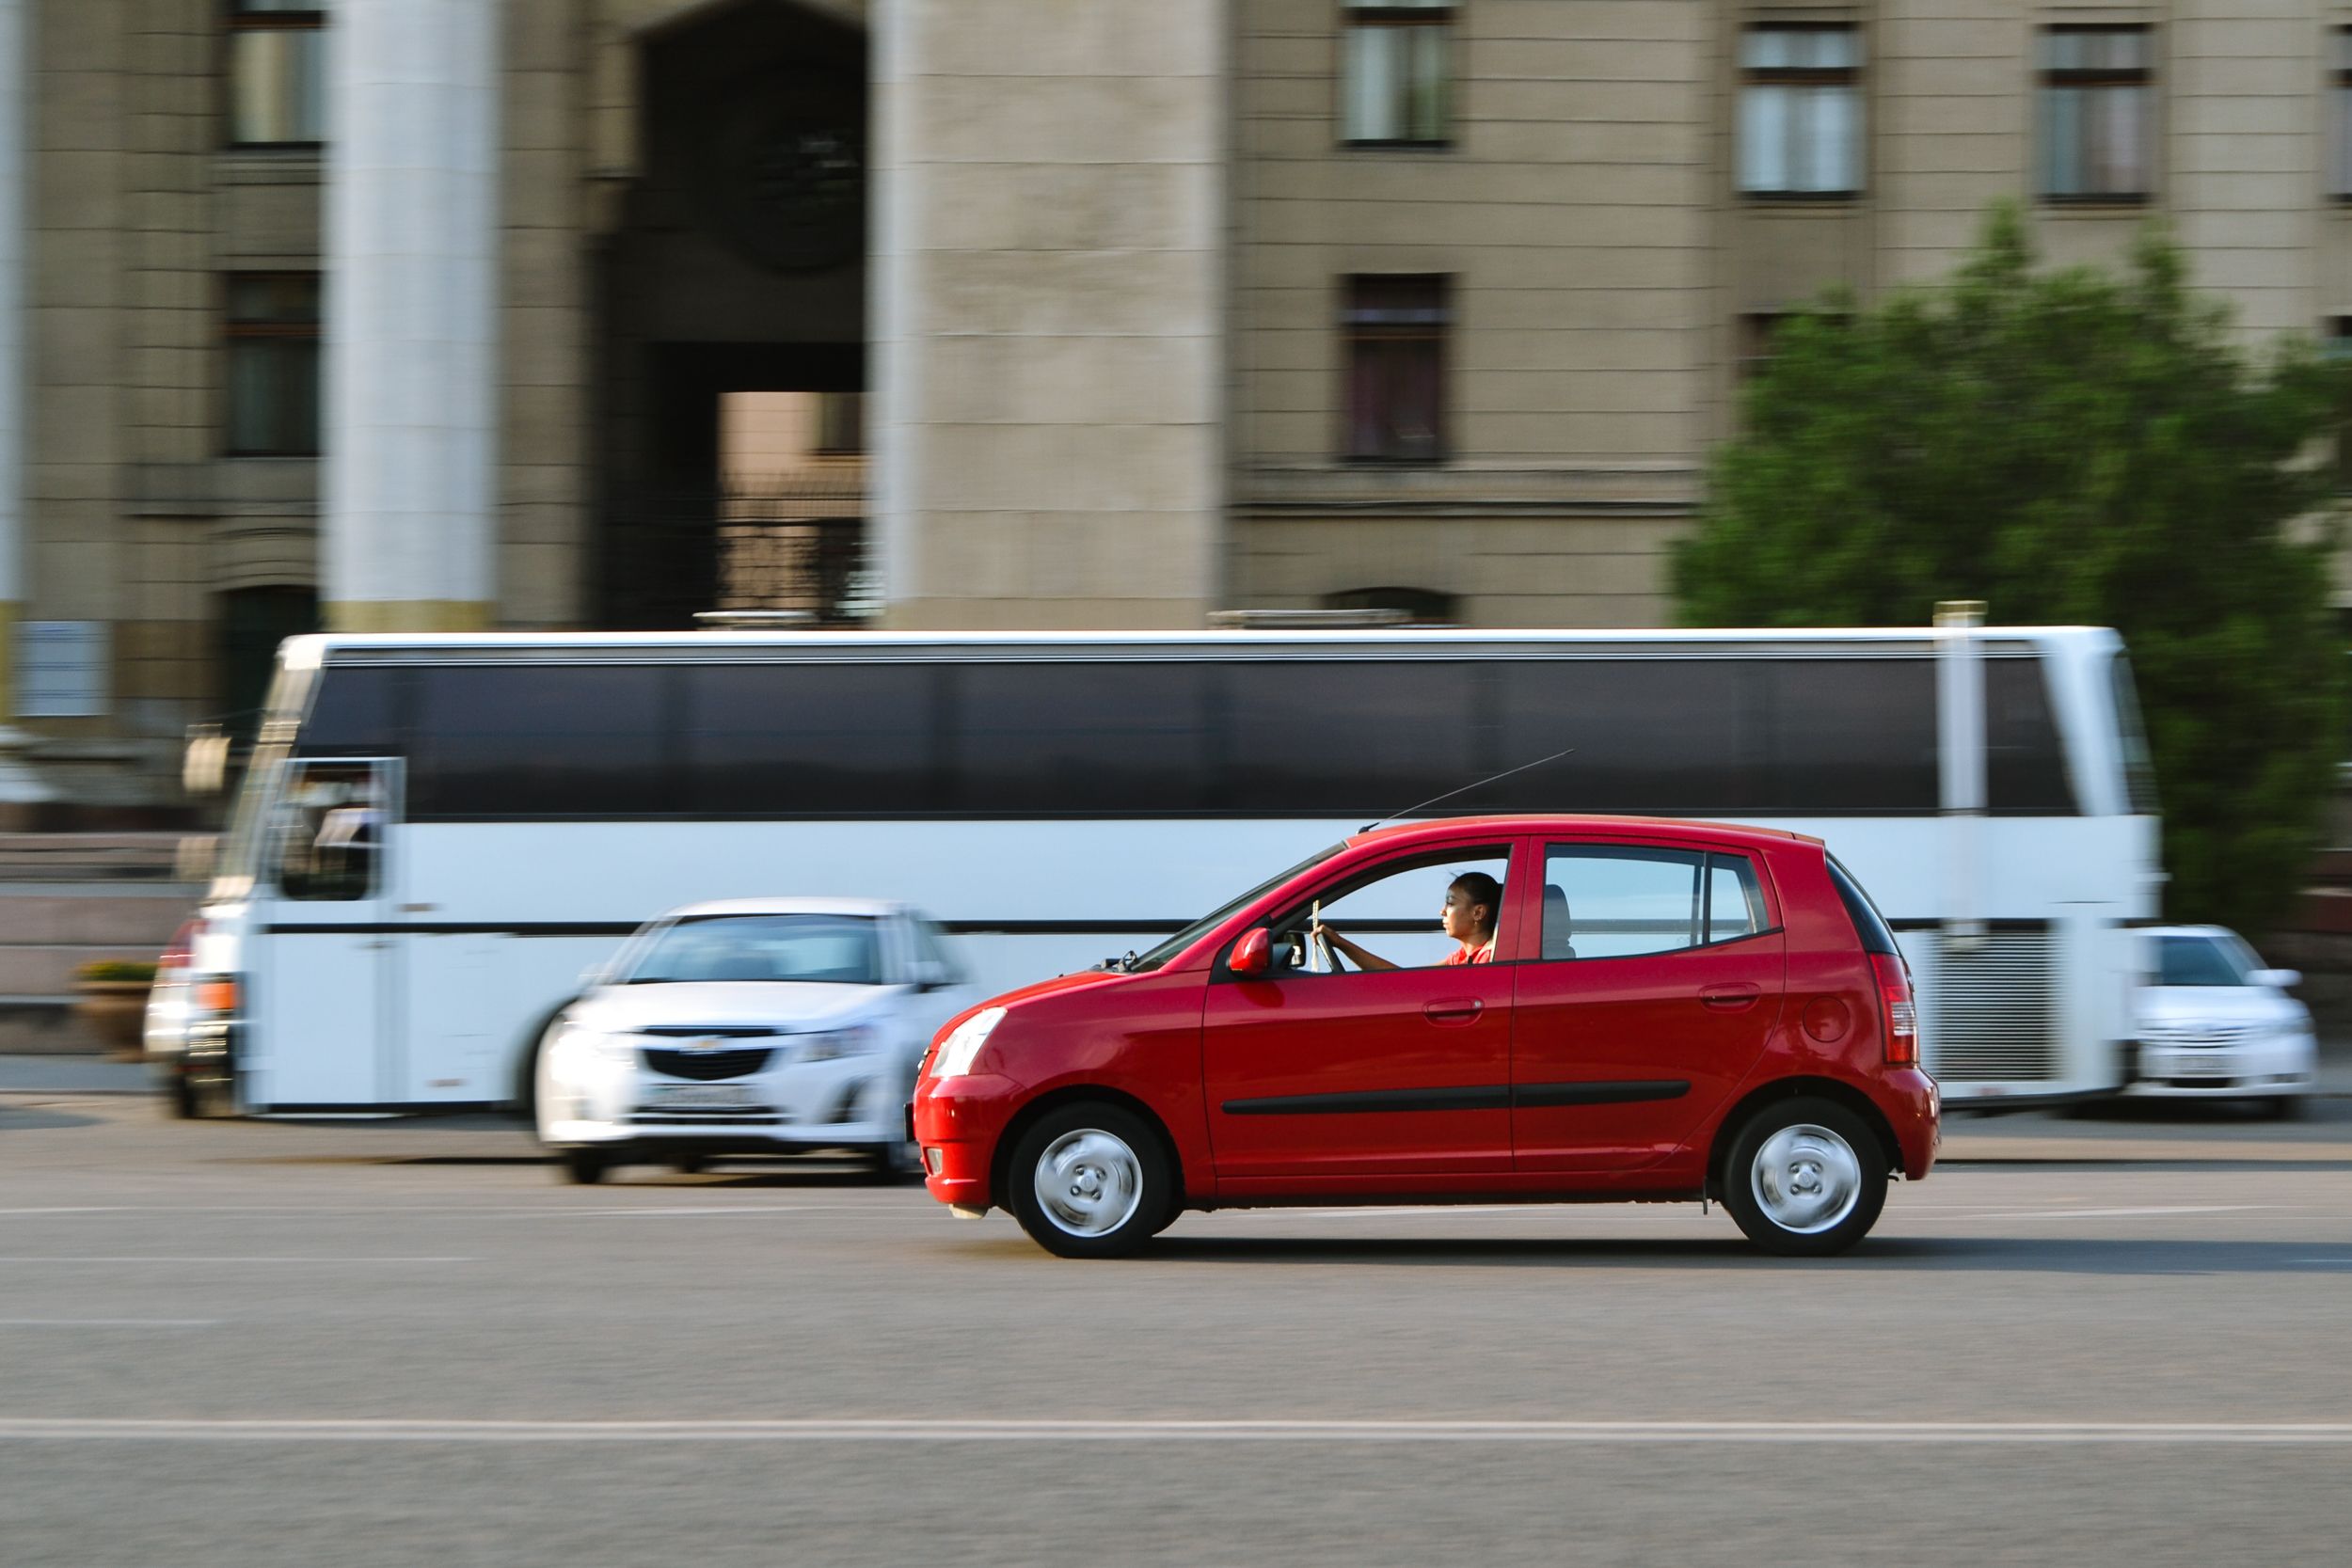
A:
[1366,1072]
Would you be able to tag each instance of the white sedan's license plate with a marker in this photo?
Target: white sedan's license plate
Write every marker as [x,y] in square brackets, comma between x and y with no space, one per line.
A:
[2206,1065]
[703,1097]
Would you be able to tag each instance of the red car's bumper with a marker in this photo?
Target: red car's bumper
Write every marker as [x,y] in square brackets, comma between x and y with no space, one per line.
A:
[958,1121]
[1913,1108]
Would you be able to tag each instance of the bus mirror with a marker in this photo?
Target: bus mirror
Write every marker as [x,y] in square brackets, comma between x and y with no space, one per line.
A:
[196,857]
[204,766]
[1254,954]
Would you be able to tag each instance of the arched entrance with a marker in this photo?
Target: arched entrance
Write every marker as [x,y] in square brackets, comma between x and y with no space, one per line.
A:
[731,324]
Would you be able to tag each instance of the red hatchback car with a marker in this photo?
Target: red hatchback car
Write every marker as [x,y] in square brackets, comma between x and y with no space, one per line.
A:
[1538,1008]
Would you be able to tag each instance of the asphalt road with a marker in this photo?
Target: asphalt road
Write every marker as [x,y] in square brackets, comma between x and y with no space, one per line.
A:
[2118,1342]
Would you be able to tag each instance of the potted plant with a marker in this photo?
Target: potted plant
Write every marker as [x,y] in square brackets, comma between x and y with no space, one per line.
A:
[112,1003]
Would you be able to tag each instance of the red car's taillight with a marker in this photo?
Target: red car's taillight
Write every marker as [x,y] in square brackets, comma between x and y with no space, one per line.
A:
[1901,1009]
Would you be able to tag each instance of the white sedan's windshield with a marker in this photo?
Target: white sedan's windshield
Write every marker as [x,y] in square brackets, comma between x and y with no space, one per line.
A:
[841,948]
[2198,961]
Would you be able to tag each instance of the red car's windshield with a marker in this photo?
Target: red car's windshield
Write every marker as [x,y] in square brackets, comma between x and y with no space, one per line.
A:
[1209,922]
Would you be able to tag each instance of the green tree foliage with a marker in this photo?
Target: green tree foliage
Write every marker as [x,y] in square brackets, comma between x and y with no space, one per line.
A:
[2073,448]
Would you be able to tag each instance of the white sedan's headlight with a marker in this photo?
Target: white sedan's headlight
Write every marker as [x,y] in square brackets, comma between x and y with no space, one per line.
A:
[956,1053]
[854,1042]
[575,1041]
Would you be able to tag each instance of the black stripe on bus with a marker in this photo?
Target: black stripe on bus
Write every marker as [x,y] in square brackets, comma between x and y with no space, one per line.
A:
[603,928]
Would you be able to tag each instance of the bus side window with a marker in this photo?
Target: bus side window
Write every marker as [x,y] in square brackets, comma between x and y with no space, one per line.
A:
[328,832]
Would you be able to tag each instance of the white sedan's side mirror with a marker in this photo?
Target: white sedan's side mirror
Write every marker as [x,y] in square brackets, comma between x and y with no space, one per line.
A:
[928,974]
[2281,978]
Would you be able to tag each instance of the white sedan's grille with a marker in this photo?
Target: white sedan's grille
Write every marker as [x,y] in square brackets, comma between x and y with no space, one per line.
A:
[2198,1037]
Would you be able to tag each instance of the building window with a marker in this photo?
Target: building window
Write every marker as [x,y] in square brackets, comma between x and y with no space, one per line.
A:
[61,669]
[2340,114]
[840,424]
[272,364]
[1800,111]
[1393,78]
[2098,111]
[1396,326]
[1752,348]
[277,73]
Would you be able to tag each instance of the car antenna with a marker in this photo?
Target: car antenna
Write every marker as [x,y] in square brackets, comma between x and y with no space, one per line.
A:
[1480,783]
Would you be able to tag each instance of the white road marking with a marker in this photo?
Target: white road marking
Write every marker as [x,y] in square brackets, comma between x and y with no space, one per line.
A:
[2124,1214]
[2203,1433]
[109,1323]
[150,1258]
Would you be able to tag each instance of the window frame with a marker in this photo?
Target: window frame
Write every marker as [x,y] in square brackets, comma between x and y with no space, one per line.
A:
[2048,79]
[1440,16]
[2337,116]
[237,20]
[1436,331]
[1508,851]
[1848,76]
[1703,893]
[234,331]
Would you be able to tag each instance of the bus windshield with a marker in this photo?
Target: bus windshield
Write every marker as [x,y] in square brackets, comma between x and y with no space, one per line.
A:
[837,948]
[241,851]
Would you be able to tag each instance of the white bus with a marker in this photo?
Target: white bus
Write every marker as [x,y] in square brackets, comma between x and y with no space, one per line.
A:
[437,835]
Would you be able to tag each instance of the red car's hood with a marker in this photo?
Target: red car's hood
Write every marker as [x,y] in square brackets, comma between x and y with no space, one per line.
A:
[1058,983]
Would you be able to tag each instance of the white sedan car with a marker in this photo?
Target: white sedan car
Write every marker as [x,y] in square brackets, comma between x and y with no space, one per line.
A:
[752,1026]
[2213,1023]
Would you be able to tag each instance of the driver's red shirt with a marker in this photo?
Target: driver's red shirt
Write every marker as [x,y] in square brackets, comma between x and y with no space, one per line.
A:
[1470,955]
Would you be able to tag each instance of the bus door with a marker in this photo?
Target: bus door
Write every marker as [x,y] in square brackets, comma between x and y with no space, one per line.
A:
[322,989]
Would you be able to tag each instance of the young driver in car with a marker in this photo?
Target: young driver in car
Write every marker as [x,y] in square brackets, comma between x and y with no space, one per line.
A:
[1472,902]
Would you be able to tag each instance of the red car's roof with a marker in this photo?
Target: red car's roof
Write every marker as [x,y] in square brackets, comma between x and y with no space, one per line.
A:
[1450,827]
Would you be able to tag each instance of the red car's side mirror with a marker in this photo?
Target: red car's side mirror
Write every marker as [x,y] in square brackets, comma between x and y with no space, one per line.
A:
[1254,954]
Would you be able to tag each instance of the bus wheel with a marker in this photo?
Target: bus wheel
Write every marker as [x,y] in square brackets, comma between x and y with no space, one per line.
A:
[1806,1179]
[583,1167]
[181,1100]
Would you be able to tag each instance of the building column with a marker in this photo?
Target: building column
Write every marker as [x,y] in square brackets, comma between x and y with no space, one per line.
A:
[16,216]
[1047,298]
[409,540]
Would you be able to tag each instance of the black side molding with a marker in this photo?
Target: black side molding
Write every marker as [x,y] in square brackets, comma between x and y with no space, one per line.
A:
[1471,1097]
[1613,1092]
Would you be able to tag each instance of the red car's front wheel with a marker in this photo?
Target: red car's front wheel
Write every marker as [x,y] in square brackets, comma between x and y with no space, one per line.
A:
[1089,1180]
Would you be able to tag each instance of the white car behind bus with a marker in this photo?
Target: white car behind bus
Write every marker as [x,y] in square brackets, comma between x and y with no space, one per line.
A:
[2213,1023]
[748,1027]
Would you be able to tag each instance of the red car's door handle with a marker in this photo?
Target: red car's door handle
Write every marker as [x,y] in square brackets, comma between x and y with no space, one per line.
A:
[1729,998]
[1458,1010]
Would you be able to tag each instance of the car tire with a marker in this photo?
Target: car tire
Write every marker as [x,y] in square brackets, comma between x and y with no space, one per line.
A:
[583,1167]
[690,1165]
[2283,1107]
[1089,1180]
[181,1100]
[1806,1179]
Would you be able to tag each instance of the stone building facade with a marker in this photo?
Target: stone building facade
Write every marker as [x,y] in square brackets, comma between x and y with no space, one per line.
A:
[447,314]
